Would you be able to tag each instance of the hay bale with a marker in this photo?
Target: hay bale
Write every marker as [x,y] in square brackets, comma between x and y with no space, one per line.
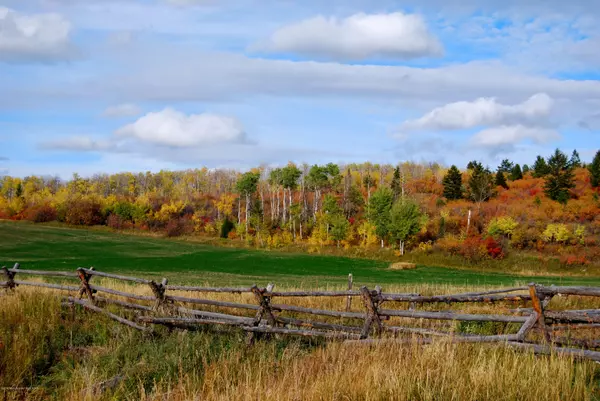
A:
[402,266]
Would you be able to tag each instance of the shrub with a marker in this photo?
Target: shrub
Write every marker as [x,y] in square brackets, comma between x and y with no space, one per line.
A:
[449,244]
[473,249]
[573,260]
[494,248]
[41,214]
[84,212]
[556,233]
[504,225]
[177,227]
[114,221]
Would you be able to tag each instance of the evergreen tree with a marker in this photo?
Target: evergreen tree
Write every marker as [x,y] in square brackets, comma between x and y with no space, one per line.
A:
[500,180]
[540,167]
[516,173]
[594,170]
[453,184]
[560,177]
[472,164]
[526,169]
[396,184]
[506,166]
[575,161]
[481,184]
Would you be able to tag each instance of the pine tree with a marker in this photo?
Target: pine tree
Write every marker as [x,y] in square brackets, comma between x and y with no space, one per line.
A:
[481,184]
[540,167]
[501,180]
[594,169]
[526,169]
[560,177]
[575,161]
[453,184]
[516,173]
[506,166]
[396,184]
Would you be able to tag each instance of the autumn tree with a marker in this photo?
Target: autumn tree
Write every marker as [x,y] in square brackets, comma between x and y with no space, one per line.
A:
[452,182]
[560,178]
[246,186]
[289,180]
[405,221]
[339,228]
[594,169]
[516,173]
[379,212]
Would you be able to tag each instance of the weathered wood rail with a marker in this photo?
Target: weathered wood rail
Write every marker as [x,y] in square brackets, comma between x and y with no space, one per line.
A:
[372,324]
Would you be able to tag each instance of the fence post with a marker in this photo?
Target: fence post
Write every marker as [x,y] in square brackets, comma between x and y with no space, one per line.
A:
[159,292]
[538,307]
[85,284]
[349,299]
[10,276]
[265,309]
[372,313]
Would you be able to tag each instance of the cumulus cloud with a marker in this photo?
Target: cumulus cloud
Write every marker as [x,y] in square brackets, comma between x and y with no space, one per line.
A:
[122,110]
[481,112]
[35,37]
[173,128]
[360,36]
[507,136]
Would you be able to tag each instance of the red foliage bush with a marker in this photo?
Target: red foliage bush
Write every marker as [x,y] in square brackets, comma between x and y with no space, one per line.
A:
[494,248]
[41,214]
[176,227]
[84,212]
[573,260]
[473,249]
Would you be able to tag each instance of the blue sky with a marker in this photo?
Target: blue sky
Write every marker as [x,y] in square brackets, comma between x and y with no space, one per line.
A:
[93,86]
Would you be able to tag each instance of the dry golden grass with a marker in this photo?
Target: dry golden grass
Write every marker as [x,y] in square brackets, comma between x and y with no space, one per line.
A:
[43,346]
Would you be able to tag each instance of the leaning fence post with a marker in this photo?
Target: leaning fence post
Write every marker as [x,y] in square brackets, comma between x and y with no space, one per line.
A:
[349,299]
[265,309]
[159,292]
[85,284]
[372,313]
[10,276]
[538,307]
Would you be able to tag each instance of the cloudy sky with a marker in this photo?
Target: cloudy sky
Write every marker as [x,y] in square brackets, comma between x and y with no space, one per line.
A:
[135,85]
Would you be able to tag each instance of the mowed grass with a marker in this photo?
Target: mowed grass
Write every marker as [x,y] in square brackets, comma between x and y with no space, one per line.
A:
[43,247]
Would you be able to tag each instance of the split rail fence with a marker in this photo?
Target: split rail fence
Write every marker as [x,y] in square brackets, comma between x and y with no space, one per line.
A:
[539,327]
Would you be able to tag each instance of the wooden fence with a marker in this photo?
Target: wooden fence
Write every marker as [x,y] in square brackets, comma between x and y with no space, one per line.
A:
[539,327]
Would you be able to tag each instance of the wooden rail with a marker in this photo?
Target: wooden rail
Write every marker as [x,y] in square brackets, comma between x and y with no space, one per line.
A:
[371,325]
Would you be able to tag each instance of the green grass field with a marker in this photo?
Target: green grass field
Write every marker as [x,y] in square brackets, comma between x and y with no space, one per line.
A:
[45,247]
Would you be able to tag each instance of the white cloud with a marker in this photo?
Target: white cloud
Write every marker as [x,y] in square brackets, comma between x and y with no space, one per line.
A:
[481,112]
[122,110]
[360,36]
[36,37]
[77,143]
[173,128]
[508,136]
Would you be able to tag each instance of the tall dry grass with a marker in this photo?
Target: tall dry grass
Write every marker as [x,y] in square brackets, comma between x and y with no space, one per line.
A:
[68,356]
